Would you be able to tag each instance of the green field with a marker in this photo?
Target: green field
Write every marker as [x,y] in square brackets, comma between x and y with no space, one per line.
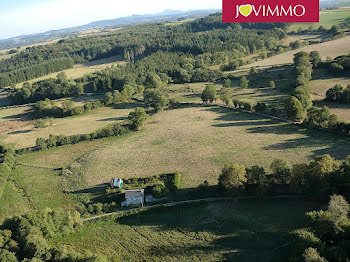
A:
[328,18]
[222,231]
[171,142]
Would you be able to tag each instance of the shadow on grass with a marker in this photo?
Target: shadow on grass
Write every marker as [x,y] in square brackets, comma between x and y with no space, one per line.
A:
[131,105]
[247,231]
[113,119]
[334,144]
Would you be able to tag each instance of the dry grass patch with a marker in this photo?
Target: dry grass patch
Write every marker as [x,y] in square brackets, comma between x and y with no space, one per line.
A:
[198,141]
[332,48]
[319,87]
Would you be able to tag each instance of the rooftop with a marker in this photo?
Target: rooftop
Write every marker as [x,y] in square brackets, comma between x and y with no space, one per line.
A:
[134,192]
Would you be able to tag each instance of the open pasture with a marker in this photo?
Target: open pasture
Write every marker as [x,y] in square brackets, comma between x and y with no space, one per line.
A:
[22,133]
[198,141]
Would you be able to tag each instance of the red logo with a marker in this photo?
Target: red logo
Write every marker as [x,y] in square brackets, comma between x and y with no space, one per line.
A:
[270,11]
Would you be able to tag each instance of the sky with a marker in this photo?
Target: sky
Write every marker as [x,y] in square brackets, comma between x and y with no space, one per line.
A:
[19,17]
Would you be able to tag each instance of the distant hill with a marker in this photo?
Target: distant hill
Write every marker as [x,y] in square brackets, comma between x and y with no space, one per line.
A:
[167,15]
[334,4]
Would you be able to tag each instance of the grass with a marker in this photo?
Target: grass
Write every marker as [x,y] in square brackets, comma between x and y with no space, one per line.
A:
[13,197]
[319,85]
[72,73]
[332,48]
[24,134]
[42,187]
[198,141]
[222,231]
[328,18]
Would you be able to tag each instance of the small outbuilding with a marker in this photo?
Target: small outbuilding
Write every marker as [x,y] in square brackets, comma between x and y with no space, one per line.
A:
[117,183]
[134,197]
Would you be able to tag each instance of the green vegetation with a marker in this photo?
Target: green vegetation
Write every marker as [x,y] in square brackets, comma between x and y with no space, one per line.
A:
[218,231]
[170,142]
[327,234]
[229,134]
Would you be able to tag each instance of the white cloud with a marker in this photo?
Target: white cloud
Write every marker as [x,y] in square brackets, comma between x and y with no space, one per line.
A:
[66,13]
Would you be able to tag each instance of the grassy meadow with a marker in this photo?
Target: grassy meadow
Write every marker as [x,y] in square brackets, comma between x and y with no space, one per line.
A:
[332,48]
[171,142]
[221,231]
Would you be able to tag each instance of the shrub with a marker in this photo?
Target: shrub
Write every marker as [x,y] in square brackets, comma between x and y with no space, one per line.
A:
[159,190]
[295,109]
[336,68]
[260,108]
[39,123]
[174,182]
[209,94]
[232,178]
[137,118]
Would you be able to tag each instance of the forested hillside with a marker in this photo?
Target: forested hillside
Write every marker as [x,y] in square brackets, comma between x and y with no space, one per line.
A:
[203,36]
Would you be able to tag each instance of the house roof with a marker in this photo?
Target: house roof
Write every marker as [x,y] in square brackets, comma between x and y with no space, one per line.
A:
[134,193]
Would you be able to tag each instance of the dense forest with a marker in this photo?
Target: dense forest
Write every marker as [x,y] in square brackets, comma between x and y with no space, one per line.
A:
[206,36]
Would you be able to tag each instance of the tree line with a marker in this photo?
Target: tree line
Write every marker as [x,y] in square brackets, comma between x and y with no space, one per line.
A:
[136,119]
[34,71]
[27,237]
[52,88]
[326,234]
[213,43]
[321,176]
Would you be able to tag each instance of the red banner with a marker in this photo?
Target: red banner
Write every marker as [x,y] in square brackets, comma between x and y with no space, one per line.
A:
[270,11]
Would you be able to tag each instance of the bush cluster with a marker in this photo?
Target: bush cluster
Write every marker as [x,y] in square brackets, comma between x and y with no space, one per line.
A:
[60,140]
[320,176]
[326,234]
[338,94]
[27,237]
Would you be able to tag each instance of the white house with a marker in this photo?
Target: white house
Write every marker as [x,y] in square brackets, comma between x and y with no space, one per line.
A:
[134,197]
[117,183]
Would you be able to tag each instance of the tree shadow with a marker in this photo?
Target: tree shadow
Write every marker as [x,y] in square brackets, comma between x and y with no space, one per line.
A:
[244,231]
[337,145]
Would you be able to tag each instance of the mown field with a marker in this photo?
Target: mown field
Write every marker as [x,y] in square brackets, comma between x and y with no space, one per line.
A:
[197,142]
[17,125]
[221,231]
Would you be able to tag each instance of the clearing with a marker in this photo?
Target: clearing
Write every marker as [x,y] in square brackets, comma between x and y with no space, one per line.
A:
[171,142]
